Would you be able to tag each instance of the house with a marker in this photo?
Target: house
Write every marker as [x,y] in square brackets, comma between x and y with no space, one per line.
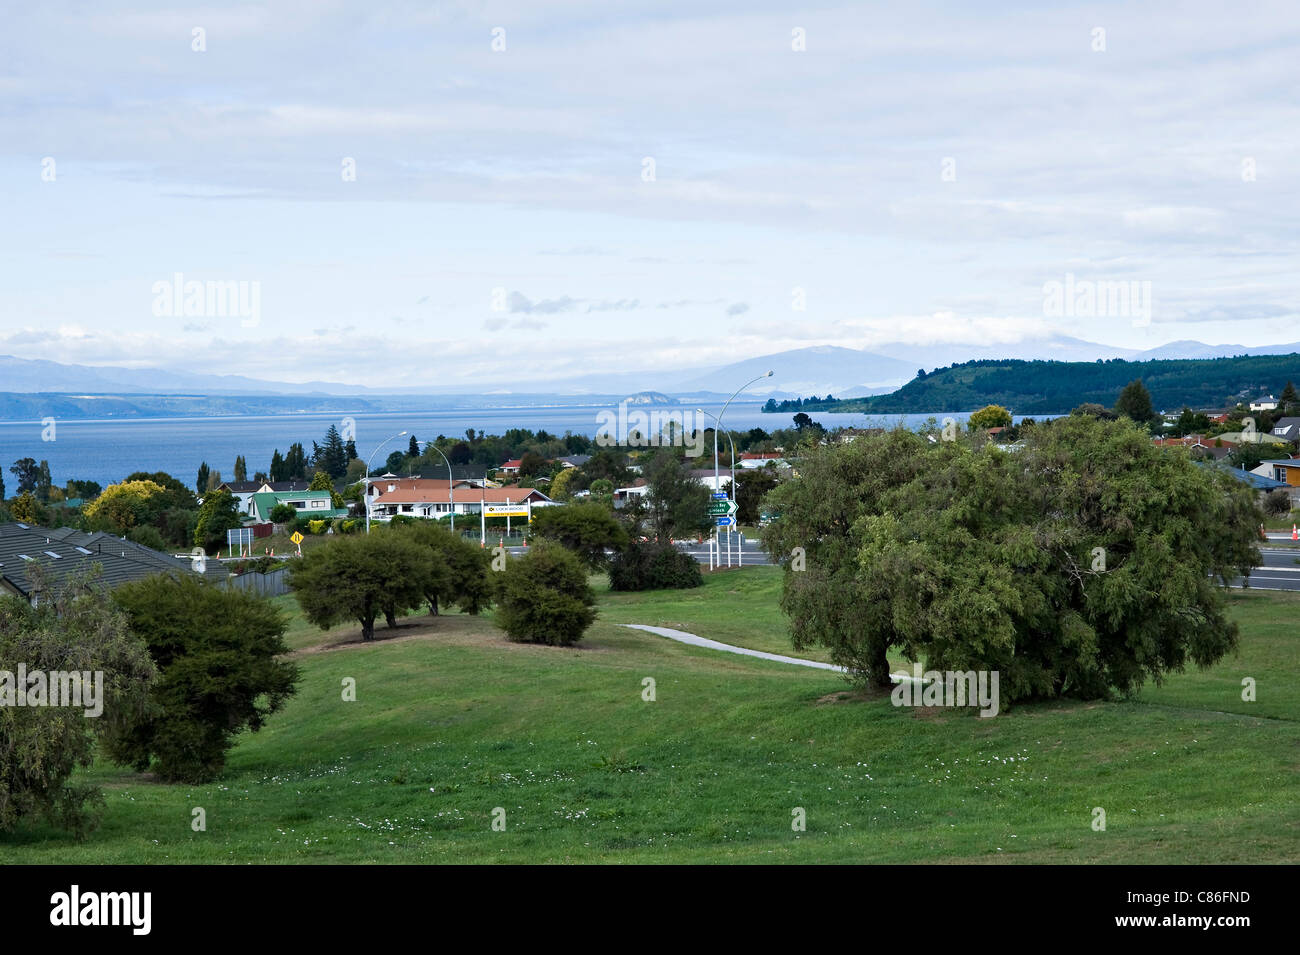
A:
[852,434]
[575,460]
[436,487]
[243,491]
[425,500]
[317,505]
[1253,479]
[759,459]
[1288,429]
[64,552]
[706,477]
[1286,471]
[511,466]
[1267,403]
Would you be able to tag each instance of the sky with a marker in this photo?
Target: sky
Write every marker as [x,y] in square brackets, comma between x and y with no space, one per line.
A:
[544,190]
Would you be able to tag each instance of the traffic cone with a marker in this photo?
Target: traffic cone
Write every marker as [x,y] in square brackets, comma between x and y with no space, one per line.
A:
[525,541]
[1295,534]
[1261,532]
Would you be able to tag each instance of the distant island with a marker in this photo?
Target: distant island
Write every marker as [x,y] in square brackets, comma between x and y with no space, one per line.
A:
[1055,387]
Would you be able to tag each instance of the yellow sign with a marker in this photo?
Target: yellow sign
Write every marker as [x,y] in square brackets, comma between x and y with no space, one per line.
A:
[505,510]
[296,538]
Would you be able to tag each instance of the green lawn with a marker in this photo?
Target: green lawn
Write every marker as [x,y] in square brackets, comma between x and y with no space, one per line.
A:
[451,722]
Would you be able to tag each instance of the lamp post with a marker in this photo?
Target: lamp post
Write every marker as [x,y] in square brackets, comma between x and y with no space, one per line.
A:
[718,419]
[451,503]
[366,495]
[731,491]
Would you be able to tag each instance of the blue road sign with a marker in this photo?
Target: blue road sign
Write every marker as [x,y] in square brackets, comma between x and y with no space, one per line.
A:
[719,495]
[726,522]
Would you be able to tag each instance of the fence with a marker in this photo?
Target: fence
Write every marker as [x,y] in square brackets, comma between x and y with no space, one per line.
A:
[272,584]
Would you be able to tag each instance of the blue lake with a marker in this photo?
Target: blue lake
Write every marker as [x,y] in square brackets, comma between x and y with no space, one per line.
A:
[108,450]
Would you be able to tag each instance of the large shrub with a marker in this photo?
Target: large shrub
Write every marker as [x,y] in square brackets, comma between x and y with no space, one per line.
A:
[1086,562]
[648,566]
[358,577]
[544,597]
[588,530]
[216,650]
[74,627]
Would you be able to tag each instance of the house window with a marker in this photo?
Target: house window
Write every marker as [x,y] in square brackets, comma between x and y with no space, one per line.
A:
[1279,474]
[317,503]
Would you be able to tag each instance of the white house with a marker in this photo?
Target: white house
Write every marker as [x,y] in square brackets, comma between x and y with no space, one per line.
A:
[1264,404]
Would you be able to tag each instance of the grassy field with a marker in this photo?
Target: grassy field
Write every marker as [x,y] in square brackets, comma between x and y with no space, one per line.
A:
[452,722]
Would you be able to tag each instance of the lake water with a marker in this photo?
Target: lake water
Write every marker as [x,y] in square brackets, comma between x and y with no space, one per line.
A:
[108,450]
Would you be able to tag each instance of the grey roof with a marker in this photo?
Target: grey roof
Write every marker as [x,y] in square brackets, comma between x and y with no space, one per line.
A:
[577,460]
[65,551]
[1288,428]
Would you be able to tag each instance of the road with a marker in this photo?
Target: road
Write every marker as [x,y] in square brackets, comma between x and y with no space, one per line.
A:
[1279,571]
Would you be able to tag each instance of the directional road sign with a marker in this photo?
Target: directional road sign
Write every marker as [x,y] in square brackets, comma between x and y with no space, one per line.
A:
[719,495]
[726,522]
[722,508]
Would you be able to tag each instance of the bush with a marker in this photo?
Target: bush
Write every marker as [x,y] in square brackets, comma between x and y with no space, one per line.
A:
[544,597]
[283,513]
[316,527]
[585,529]
[75,627]
[648,566]
[216,650]
[148,536]
[1277,502]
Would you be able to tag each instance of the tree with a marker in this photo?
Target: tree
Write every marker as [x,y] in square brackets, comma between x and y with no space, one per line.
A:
[358,578]
[74,627]
[201,481]
[2,487]
[84,490]
[278,469]
[1287,400]
[27,509]
[531,465]
[457,570]
[560,485]
[28,473]
[123,506]
[332,457]
[602,492]
[413,448]
[320,481]
[460,453]
[751,485]
[1084,564]
[643,565]
[544,597]
[1250,456]
[217,652]
[218,514]
[241,468]
[295,463]
[990,416]
[675,500]
[43,482]
[587,530]
[283,513]
[1134,403]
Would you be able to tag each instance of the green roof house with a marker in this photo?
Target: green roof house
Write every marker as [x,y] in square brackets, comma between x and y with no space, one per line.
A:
[317,505]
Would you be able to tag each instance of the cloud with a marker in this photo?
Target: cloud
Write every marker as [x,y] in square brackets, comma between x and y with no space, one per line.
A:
[737,308]
[519,302]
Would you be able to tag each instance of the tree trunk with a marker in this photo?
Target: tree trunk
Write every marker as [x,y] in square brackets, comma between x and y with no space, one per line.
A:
[433,605]
[390,618]
[367,628]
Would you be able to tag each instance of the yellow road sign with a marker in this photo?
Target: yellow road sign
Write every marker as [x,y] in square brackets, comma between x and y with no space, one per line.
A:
[296,538]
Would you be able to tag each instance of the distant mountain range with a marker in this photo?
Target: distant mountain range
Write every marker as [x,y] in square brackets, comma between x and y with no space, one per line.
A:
[35,387]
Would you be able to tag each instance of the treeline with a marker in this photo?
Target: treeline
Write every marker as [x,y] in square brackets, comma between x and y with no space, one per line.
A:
[1054,387]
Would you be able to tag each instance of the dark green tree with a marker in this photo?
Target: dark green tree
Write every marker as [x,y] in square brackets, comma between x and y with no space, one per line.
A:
[217,651]
[1134,403]
[28,473]
[201,481]
[359,578]
[544,597]
[218,514]
[587,530]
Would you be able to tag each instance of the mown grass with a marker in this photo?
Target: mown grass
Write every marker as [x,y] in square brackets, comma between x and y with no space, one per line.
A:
[451,722]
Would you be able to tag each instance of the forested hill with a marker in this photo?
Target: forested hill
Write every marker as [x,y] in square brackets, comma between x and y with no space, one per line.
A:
[1054,387]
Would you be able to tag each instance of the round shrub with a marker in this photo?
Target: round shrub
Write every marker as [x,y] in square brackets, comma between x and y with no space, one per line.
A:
[544,597]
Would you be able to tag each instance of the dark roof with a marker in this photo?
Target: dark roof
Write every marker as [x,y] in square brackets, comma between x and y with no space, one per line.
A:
[1288,428]
[241,487]
[65,551]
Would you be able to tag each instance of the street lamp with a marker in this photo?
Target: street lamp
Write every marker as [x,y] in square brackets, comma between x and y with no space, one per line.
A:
[732,489]
[451,503]
[718,419]
[366,495]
